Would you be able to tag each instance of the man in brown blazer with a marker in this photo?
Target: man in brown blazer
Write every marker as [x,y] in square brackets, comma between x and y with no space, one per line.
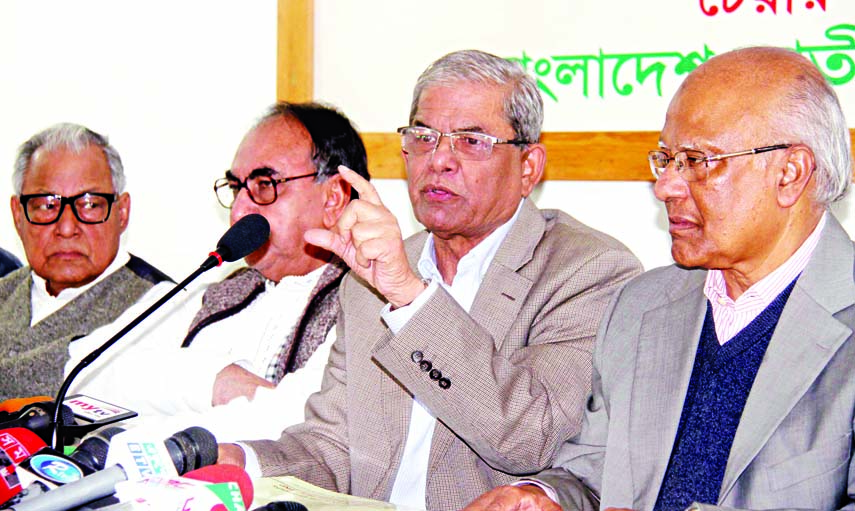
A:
[463,355]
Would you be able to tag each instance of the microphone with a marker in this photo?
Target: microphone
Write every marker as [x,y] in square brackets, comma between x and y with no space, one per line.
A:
[230,474]
[36,468]
[10,483]
[192,449]
[37,418]
[211,488]
[243,238]
[138,460]
[16,404]
[143,452]
[282,505]
[92,451]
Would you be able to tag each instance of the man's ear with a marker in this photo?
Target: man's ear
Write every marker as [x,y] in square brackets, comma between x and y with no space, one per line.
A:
[794,178]
[122,207]
[533,163]
[17,214]
[336,198]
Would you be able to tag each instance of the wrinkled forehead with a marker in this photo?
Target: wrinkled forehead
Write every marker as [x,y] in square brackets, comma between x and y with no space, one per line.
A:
[466,105]
[280,144]
[714,105]
[86,166]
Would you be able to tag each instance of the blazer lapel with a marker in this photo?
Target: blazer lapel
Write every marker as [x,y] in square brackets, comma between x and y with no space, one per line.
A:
[503,290]
[500,297]
[806,337]
[667,344]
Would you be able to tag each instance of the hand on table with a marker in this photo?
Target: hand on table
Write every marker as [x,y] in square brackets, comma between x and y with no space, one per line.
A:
[235,381]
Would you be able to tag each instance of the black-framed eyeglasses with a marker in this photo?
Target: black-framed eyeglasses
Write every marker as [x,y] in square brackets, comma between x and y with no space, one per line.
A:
[693,165]
[47,208]
[262,189]
[468,145]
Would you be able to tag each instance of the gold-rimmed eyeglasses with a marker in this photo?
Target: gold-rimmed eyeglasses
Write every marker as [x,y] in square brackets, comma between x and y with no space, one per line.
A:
[693,165]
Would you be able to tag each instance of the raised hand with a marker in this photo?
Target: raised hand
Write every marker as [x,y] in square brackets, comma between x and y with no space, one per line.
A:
[367,237]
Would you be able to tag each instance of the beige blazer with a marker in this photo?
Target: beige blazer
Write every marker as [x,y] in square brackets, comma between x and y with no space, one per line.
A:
[793,446]
[518,366]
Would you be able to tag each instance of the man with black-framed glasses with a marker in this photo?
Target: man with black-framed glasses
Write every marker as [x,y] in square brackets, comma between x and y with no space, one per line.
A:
[69,209]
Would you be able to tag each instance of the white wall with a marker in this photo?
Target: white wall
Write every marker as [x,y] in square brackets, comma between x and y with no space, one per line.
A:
[369,54]
[175,84]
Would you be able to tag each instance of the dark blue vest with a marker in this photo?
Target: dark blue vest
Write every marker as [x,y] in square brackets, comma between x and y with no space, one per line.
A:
[718,389]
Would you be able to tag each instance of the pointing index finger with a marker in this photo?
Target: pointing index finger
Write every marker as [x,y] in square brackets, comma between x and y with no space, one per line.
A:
[366,190]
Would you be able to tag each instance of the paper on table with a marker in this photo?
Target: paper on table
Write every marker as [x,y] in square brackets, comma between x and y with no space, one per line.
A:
[270,489]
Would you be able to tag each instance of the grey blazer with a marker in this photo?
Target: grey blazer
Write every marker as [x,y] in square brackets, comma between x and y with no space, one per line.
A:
[518,366]
[793,447]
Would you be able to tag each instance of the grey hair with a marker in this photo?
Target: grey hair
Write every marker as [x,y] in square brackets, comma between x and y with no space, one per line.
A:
[73,137]
[815,118]
[523,105]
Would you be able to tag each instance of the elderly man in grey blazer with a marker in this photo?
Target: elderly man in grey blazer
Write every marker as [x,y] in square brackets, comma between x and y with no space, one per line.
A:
[729,380]
[463,353]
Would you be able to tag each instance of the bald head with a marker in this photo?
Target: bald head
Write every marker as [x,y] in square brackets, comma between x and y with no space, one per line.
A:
[776,95]
[769,150]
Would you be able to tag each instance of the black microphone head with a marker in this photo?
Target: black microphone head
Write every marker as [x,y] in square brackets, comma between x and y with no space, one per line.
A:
[244,237]
[192,448]
[92,451]
[282,505]
[37,417]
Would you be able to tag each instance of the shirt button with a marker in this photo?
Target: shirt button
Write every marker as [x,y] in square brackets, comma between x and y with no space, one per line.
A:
[417,356]
[444,383]
[425,365]
[435,374]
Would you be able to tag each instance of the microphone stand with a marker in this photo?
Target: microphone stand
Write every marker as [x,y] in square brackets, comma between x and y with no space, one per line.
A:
[213,260]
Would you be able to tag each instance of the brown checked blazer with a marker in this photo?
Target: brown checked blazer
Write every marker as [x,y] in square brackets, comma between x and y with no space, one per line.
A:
[518,369]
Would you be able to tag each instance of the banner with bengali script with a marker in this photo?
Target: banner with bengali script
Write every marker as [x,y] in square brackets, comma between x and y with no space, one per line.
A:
[600,65]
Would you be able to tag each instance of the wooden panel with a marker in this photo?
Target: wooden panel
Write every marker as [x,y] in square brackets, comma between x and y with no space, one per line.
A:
[295,52]
[581,156]
[600,155]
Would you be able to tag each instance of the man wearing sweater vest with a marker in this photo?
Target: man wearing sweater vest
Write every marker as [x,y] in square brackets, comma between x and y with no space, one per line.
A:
[69,209]
[728,380]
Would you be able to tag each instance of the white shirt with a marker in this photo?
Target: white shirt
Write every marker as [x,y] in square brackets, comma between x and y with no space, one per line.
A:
[254,336]
[410,486]
[164,382]
[43,304]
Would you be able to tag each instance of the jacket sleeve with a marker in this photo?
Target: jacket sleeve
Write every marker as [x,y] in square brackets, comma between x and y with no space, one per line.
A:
[513,400]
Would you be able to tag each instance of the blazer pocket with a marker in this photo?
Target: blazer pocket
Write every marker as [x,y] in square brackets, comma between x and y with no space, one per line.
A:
[815,462]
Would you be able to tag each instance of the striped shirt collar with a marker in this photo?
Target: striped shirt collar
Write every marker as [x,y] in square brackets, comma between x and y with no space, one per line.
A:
[731,316]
